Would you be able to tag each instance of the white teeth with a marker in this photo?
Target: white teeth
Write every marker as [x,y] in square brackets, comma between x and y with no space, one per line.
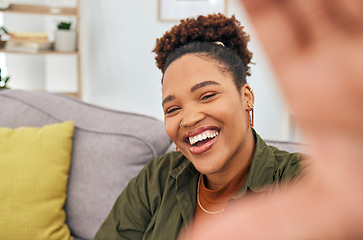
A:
[203,136]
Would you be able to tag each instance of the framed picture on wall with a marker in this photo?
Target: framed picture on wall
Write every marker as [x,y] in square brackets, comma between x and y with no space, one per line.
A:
[174,10]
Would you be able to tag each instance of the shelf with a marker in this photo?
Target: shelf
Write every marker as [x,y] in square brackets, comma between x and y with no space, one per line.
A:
[40,52]
[36,9]
[40,9]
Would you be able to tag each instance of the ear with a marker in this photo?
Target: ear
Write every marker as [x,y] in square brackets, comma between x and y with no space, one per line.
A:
[247,96]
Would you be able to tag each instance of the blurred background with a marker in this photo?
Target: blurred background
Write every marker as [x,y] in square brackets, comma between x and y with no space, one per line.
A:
[117,66]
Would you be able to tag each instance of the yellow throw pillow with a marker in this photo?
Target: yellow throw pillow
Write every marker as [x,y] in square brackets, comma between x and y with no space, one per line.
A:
[34,165]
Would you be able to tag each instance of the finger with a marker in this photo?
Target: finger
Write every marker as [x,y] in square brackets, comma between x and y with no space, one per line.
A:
[273,28]
[346,15]
[284,26]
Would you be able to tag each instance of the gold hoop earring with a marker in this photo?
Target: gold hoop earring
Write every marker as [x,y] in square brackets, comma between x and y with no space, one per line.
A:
[250,116]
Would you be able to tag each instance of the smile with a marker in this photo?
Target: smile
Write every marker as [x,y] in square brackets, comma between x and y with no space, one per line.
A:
[209,134]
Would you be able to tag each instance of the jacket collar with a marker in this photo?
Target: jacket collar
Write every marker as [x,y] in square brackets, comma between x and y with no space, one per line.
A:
[261,170]
[183,173]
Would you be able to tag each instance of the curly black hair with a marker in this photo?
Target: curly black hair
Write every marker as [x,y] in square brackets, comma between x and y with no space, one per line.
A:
[199,35]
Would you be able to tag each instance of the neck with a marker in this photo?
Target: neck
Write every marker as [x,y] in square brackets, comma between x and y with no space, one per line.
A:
[242,158]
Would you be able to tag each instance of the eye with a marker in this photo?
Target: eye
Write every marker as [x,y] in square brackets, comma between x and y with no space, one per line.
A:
[207,96]
[171,110]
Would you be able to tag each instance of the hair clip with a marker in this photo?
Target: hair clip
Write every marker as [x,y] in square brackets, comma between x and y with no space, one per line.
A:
[219,43]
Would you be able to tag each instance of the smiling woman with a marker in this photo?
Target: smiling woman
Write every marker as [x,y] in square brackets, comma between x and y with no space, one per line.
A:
[203,99]
[208,108]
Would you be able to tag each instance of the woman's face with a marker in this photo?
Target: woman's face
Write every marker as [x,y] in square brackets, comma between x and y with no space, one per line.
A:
[205,115]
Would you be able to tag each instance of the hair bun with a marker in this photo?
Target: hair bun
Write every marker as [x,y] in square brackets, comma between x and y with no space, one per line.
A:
[210,28]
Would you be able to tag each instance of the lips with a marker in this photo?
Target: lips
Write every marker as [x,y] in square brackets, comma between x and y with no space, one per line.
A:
[201,140]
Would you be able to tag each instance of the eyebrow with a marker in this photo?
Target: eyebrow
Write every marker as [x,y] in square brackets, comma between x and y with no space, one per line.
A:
[192,89]
[168,99]
[202,84]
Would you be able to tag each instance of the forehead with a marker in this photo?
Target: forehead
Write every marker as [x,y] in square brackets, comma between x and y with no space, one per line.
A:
[191,69]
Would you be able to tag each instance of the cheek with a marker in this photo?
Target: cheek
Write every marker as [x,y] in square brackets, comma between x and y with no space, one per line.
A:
[171,128]
[220,112]
[228,112]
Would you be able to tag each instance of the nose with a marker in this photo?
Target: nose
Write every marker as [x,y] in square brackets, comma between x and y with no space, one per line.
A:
[191,117]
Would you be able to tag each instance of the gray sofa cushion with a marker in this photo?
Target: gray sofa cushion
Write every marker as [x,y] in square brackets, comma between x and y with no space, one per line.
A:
[289,146]
[109,148]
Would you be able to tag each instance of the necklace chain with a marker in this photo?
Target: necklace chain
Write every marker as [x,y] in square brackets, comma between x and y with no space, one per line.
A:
[200,205]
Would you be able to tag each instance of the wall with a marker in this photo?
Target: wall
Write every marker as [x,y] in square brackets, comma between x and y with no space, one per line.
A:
[120,37]
[119,70]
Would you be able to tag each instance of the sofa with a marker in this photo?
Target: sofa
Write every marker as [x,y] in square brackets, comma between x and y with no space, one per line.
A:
[108,149]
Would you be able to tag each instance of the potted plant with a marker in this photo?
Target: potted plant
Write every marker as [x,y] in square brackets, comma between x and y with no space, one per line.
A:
[4,4]
[64,25]
[65,39]
[3,34]
[3,81]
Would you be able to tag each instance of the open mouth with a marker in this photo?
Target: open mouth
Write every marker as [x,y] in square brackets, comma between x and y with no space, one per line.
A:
[202,138]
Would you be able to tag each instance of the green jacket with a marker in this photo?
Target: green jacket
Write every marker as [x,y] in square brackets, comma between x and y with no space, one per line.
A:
[161,199]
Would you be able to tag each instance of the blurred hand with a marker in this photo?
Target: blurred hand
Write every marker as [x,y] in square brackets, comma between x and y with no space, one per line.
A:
[316,49]
[326,204]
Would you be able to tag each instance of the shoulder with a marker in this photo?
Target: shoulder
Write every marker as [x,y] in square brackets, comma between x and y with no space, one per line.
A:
[153,180]
[285,163]
[166,162]
[276,162]
[161,166]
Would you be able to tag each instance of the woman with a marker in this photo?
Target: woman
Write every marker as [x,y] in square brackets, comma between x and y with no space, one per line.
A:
[208,109]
